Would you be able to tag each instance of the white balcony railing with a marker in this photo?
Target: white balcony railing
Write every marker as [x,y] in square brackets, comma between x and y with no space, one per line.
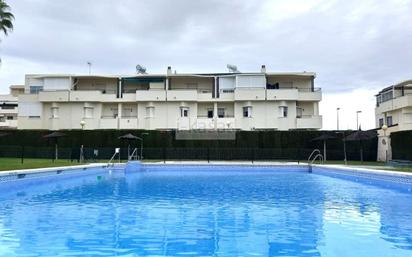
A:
[182,95]
[150,95]
[250,94]
[54,96]
[282,94]
[309,122]
[8,124]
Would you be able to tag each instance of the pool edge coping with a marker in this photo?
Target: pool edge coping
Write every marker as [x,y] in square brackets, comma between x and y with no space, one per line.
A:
[222,163]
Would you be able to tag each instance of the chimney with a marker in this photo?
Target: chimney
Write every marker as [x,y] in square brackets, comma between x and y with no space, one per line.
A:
[263,68]
[169,70]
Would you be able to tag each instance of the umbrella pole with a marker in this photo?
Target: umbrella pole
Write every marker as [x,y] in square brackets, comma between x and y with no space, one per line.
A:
[361,151]
[324,150]
[344,152]
[56,153]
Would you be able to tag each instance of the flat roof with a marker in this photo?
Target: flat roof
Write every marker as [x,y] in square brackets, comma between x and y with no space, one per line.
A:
[398,85]
[303,74]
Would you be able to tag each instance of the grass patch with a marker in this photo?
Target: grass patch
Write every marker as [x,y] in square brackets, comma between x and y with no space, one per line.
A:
[15,163]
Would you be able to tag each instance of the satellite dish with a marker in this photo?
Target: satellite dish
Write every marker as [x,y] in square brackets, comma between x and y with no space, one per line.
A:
[140,69]
[232,68]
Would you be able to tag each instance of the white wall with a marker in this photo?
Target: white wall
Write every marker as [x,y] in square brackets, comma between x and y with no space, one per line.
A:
[250,81]
[56,84]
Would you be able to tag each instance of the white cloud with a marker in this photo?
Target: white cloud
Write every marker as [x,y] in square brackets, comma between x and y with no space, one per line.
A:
[349,103]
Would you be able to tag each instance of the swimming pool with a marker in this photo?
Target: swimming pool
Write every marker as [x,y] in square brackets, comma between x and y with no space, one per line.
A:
[192,210]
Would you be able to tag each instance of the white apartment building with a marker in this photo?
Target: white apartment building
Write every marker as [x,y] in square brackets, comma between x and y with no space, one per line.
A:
[393,113]
[236,101]
[8,108]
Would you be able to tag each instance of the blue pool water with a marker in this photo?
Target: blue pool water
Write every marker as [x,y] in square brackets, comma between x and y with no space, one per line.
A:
[205,211]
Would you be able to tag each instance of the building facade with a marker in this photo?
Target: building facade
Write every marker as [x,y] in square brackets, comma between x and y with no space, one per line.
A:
[237,101]
[8,107]
[393,113]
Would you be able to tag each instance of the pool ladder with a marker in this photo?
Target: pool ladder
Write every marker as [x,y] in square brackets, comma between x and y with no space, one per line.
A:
[116,152]
[316,154]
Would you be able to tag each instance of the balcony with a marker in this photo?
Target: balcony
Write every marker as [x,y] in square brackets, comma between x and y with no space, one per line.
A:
[226,96]
[86,96]
[109,123]
[310,96]
[204,96]
[150,95]
[9,111]
[54,96]
[226,123]
[395,103]
[282,94]
[250,94]
[182,95]
[204,123]
[109,98]
[128,123]
[209,123]
[8,124]
[309,122]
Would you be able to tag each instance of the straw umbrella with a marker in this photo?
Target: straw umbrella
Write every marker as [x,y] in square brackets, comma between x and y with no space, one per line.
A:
[129,137]
[324,138]
[361,136]
[55,135]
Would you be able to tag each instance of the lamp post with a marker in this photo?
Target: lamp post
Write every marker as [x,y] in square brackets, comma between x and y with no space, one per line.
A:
[384,128]
[141,144]
[81,157]
[337,118]
[90,67]
[357,119]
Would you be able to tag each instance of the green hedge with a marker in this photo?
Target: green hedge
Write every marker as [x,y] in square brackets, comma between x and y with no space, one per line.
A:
[296,141]
[401,143]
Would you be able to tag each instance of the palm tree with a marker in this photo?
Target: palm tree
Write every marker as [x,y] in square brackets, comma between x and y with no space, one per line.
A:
[6,18]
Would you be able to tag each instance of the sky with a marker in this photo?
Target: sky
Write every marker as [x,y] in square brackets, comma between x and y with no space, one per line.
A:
[355,47]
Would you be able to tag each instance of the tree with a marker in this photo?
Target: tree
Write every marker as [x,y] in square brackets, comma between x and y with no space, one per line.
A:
[6,18]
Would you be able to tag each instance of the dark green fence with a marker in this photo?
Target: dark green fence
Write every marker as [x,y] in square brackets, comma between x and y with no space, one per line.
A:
[401,143]
[160,145]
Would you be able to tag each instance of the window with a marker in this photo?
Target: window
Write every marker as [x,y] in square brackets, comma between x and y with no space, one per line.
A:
[299,112]
[380,122]
[184,111]
[54,112]
[210,113]
[247,112]
[221,112]
[150,112]
[35,89]
[389,121]
[2,119]
[8,107]
[10,118]
[88,112]
[283,111]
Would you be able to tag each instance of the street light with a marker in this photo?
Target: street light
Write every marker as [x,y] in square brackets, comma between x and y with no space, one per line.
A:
[357,119]
[90,67]
[337,118]
[141,144]
[385,141]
